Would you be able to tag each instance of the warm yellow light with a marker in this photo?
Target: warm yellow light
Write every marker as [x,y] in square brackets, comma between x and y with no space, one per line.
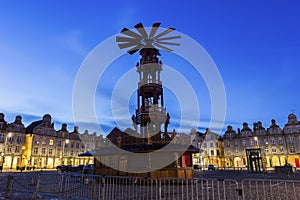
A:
[23,147]
[9,134]
[67,141]
[255,138]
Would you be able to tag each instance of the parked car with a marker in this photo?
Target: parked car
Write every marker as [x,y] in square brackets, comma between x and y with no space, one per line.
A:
[77,168]
[88,169]
[211,167]
[64,168]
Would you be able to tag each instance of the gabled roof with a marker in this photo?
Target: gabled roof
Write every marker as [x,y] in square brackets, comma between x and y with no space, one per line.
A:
[30,127]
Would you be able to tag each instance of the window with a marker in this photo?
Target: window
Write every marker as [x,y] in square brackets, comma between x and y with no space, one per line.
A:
[218,152]
[292,149]
[77,145]
[228,152]
[9,148]
[280,141]
[72,153]
[19,140]
[251,143]
[281,149]
[17,150]
[235,144]
[275,131]
[272,141]
[11,139]
[274,149]
[236,151]
[35,150]
[244,143]
[267,150]
[291,140]
[2,137]
[51,142]
[59,143]
[66,152]
[258,142]
[17,128]
[204,145]
[50,151]
[211,144]
[246,134]
[228,144]
[212,152]
[43,142]
[43,151]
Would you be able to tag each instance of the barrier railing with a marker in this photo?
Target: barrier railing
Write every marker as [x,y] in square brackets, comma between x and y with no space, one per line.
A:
[171,188]
[85,187]
[270,189]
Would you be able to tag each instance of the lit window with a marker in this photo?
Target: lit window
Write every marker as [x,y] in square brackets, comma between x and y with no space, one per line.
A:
[35,150]
[228,152]
[43,151]
[267,150]
[51,142]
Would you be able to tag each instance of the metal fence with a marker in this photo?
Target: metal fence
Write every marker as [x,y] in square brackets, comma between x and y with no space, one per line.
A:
[84,187]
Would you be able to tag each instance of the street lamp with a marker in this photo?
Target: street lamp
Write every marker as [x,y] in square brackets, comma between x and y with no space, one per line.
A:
[255,139]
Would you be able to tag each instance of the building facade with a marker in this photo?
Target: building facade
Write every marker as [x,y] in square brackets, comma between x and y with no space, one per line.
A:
[39,145]
[278,146]
[12,138]
[212,149]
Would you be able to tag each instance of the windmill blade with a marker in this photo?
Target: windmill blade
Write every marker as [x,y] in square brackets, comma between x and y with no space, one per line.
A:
[127,44]
[163,47]
[169,38]
[140,28]
[164,33]
[168,43]
[130,33]
[125,39]
[154,29]
[135,49]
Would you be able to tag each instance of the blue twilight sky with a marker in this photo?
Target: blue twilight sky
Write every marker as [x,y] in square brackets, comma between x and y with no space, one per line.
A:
[255,45]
